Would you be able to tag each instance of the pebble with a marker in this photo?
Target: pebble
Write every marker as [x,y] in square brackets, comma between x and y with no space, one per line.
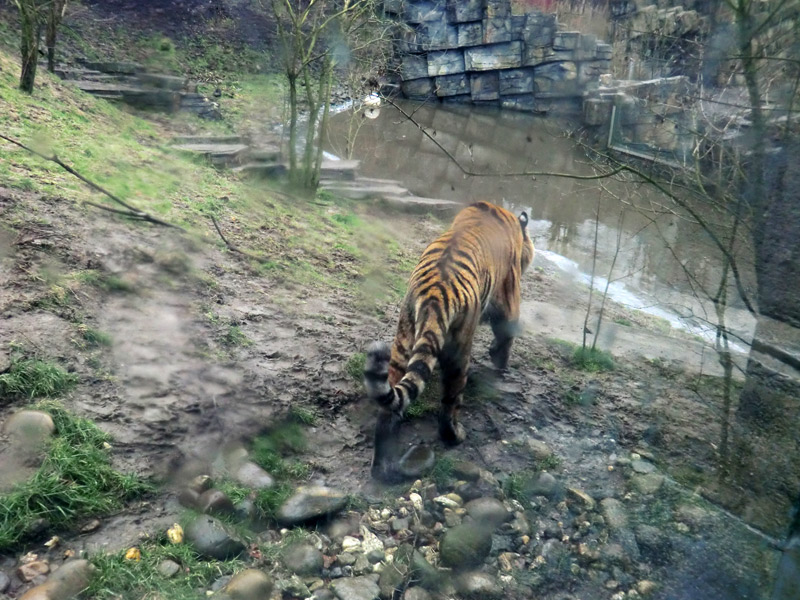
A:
[211,538]
[249,474]
[642,466]
[647,484]
[356,588]
[468,471]
[346,559]
[168,568]
[250,584]
[399,525]
[29,571]
[293,587]
[694,516]
[476,584]
[215,502]
[303,559]
[30,426]
[490,510]
[64,584]
[446,502]
[350,543]
[544,485]
[466,546]
[583,500]
[539,449]
[646,586]
[311,502]
[416,500]
[416,593]
[614,513]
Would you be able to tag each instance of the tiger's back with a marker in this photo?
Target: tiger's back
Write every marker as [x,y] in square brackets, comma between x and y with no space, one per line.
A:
[470,273]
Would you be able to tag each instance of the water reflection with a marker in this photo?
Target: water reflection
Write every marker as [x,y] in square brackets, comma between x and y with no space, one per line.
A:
[655,244]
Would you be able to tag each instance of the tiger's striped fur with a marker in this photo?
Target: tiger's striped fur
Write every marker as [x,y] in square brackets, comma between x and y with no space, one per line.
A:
[470,274]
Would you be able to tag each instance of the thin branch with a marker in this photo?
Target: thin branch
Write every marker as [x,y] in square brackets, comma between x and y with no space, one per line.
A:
[133,211]
[229,245]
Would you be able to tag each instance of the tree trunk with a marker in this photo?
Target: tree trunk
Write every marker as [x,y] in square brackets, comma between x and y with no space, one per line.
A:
[29,44]
[54,16]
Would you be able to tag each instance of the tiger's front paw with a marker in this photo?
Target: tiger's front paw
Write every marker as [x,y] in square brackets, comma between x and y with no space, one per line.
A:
[451,433]
[386,473]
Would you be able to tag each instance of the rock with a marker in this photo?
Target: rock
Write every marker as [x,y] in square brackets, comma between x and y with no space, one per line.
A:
[581,499]
[489,510]
[295,588]
[251,475]
[92,525]
[478,585]
[5,581]
[303,559]
[369,541]
[215,502]
[210,538]
[417,461]
[188,498]
[346,559]
[416,501]
[376,556]
[467,545]
[614,513]
[539,449]
[694,516]
[30,427]
[654,543]
[362,565]
[643,466]
[323,594]
[446,502]
[398,525]
[350,543]
[200,484]
[646,587]
[29,571]
[613,554]
[391,578]
[544,485]
[64,584]
[355,588]
[416,593]
[647,484]
[168,568]
[311,502]
[246,509]
[250,584]
[466,470]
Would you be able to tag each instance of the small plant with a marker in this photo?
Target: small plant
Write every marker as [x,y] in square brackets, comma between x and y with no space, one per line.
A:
[592,360]
[269,500]
[235,337]
[443,472]
[303,415]
[516,485]
[76,480]
[355,367]
[421,406]
[94,337]
[33,378]
[623,321]
[549,463]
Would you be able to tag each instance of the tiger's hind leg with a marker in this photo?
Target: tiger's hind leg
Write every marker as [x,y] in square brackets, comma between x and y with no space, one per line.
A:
[454,362]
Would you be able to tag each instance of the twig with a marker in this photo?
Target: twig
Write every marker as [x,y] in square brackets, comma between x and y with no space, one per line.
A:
[133,211]
[230,246]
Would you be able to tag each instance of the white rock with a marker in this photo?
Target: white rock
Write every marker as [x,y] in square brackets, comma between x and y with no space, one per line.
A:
[416,500]
[369,541]
[349,544]
[446,502]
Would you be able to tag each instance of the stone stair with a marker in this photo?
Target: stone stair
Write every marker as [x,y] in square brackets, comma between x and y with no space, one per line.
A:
[131,83]
[387,190]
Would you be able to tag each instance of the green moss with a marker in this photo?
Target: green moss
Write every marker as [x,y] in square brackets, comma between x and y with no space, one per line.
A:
[592,360]
[34,378]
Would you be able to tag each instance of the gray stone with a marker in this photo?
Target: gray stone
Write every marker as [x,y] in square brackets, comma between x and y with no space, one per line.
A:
[67,582]
[614,512]
[452,85]
[168,568]
[421,12]
[160,81]
[447,62]
[523,102]
[470,34]
[497,56]
[416,593]
[466,546]
[323,594]
[215,502]
[643,466]
[654,543]
[475,584]
[544,485]
[695,516]
[4,582]
[647,484]
[414,66]
[362,565]
[462,11]
[488,510]
[484,86]
[30,426]
[418,88]
[346,559]
[211,538]
[250,584]
[566,40]
[311,502]
[468,471]
[438,36]
[391,578]
[294,587]
[498,8]
[399,524]
[418,459]
[520,81]
[355,588]
[580,499]
[303,559]
[251,475]
[375,556]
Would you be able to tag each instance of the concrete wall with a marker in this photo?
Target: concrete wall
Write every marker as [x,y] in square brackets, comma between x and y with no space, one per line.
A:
[494,52]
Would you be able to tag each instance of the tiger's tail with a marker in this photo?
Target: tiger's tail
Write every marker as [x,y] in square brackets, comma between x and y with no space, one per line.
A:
[409,388]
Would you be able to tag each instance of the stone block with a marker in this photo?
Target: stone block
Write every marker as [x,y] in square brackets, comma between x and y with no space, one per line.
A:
[464,99]
[463,11]
[516,81]
[447,62]
[533,55]
[498,8]
[522,7]
[517,25]
[596,111]
[590,71]
[452,85]
[526,102]
[536,33]
[484,86]
[496,56]
[566,40]
[470,34]
[423,12]
[437,35]
[414,66]
[604,51]
[497,30]
[557,79]
[417,88]
[587,48]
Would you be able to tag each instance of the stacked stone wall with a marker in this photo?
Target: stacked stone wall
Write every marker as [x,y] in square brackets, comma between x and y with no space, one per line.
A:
[494,52]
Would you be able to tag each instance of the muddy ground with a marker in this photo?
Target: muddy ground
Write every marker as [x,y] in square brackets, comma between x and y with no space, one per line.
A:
[172,389]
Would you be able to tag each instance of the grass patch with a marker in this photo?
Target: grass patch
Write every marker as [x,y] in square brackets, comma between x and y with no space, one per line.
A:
[269,450]
[592,360]
[34,378]
[94,337]
[516,486]
[268,501]
[75,481]
[302,415]
[234,336]
[117,578]
[355,367]
[442,473]
[623,321]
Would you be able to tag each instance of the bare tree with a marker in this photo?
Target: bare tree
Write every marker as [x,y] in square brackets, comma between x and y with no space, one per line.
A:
[29,17]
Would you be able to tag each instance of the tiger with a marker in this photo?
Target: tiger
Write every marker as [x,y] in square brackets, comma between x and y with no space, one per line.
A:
[470,274]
